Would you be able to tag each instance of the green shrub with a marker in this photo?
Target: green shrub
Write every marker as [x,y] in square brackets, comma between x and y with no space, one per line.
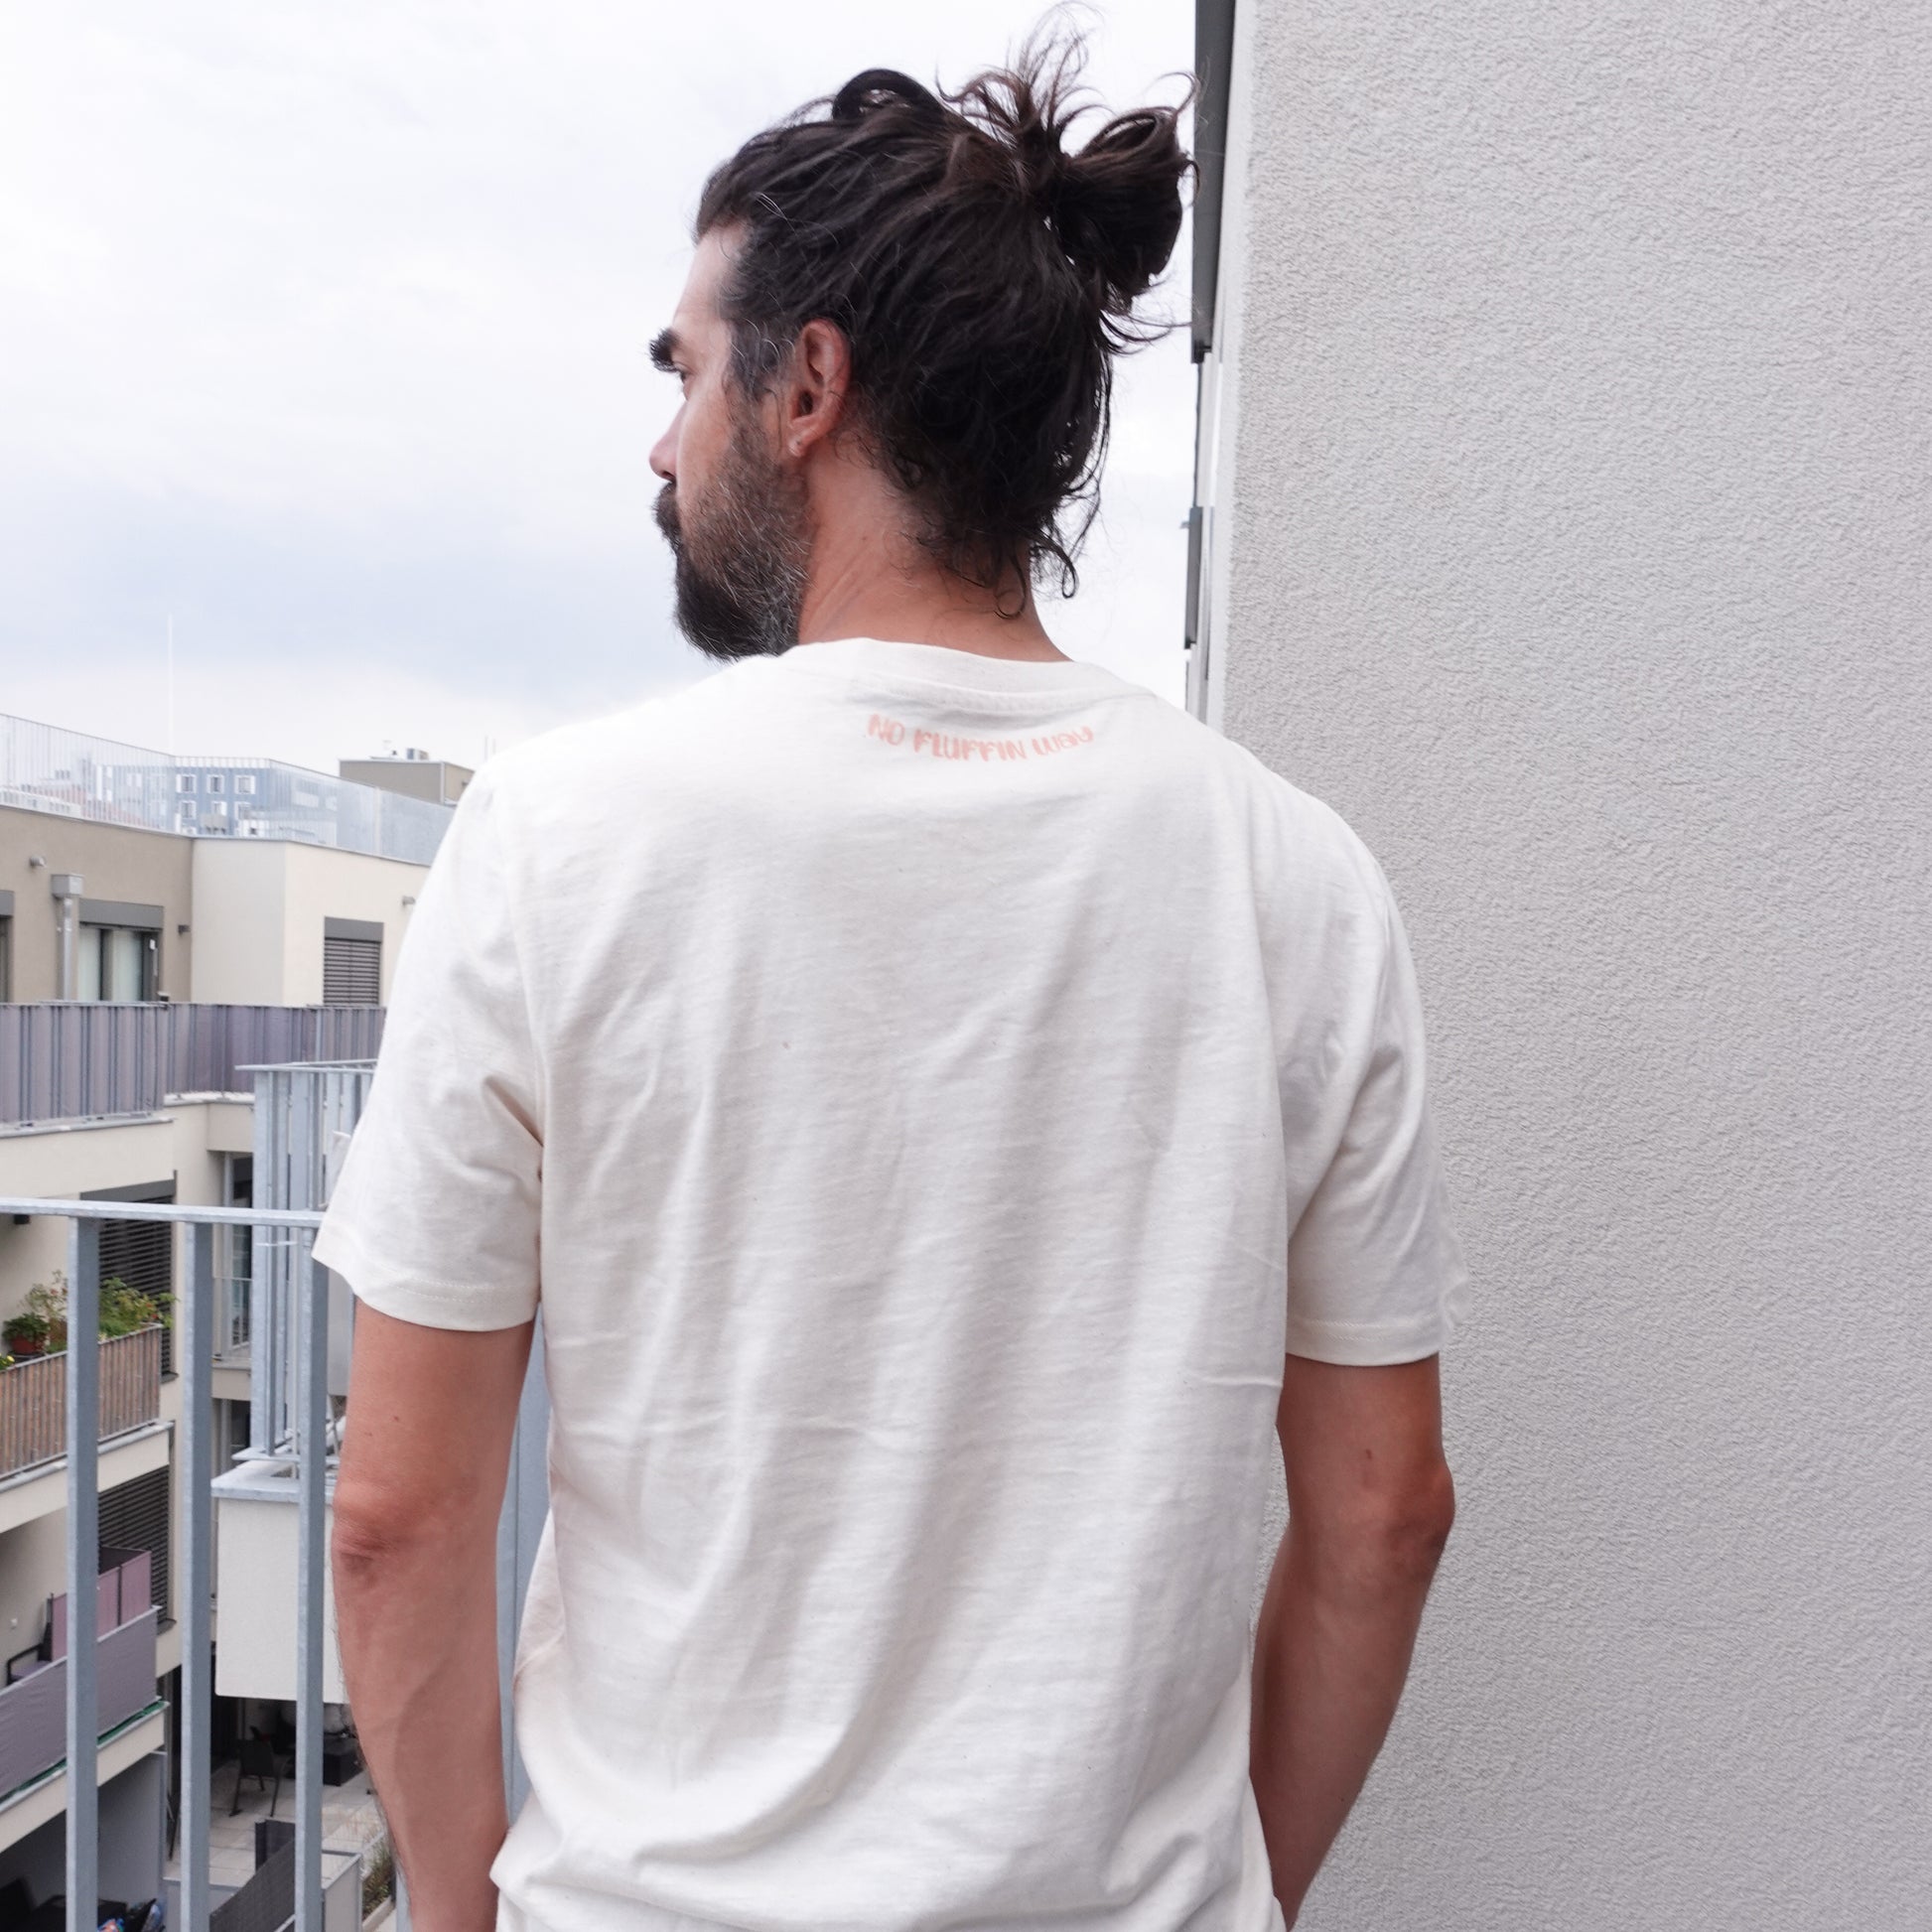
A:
[122,1311]
[124,1308]
[378,1875]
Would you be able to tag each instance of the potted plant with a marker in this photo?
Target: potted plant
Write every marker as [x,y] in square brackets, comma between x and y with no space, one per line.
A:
[25,1333]
[41,1328]
[46,1305]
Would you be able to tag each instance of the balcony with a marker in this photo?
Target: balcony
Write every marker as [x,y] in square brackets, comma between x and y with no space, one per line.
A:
[33,1708]
[67,1060]
[33,1399]
[288,1479]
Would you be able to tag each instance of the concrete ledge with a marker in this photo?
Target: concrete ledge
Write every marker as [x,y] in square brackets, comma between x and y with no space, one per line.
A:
[27,1494]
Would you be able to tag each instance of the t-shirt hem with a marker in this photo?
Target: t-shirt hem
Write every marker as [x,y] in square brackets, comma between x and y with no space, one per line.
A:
[431,1304]
[1370,1344]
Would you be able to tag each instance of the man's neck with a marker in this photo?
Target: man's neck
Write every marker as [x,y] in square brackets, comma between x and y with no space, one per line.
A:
[868,586]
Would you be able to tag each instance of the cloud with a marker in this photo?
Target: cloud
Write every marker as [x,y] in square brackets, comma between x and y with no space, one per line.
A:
[324,334]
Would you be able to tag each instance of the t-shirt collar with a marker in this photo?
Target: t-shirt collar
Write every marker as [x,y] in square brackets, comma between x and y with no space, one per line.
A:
[941,665]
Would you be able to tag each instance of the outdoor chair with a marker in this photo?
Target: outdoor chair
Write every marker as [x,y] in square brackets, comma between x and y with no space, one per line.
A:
[259,1760]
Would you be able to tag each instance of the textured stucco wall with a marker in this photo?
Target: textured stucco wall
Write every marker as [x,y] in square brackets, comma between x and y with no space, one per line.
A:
[1577,552]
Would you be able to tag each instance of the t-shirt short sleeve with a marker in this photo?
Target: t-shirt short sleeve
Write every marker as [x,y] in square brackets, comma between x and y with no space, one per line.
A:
[1375,1272]
[434,1217]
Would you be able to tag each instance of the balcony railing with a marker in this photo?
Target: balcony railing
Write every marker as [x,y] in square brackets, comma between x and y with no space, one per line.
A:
[34,1398]
[45,768]
[89,1684]
[33,1726]
[84,1059]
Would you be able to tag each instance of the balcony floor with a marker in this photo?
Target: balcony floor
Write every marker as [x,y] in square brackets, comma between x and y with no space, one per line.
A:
[350,1822]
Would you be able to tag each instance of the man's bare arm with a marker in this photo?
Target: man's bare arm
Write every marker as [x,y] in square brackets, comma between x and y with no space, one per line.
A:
[431,1416]
[1370,1503]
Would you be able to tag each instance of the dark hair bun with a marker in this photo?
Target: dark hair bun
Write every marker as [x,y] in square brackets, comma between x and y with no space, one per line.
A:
[1117,204]
[1114,203]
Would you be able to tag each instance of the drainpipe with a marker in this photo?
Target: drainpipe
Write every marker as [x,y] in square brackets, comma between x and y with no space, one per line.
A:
[68,888]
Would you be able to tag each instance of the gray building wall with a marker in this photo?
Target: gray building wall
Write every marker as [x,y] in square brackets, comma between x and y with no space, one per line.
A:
[1572,509]
[116,862]
[436,779]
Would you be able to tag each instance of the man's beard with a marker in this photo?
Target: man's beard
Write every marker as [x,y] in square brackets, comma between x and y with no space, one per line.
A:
[742,557]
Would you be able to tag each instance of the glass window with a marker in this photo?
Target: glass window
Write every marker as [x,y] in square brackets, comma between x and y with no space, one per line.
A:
[184,781]
[217,781]
[118,962]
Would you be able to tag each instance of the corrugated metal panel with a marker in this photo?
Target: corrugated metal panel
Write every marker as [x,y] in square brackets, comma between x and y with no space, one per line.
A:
[68,1061]
[352,972]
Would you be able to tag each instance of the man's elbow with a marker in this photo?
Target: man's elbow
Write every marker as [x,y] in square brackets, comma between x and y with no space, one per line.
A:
[1419,1532]
[363,1547]
[372,1538]
[1390,1543]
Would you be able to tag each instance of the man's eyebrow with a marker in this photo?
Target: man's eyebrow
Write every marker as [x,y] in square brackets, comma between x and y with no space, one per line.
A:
[664,348]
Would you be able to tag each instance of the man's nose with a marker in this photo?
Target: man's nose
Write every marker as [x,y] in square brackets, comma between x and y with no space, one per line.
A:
[663,456]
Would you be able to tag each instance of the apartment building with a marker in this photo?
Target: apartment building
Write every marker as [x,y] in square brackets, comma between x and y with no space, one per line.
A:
[128,875]
[166,924]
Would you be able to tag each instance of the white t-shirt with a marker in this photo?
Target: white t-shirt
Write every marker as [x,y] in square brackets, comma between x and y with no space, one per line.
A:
[929,1093]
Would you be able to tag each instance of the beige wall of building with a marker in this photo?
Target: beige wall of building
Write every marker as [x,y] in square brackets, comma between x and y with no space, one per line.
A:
[259,909]
[32,1563]
[253,909]
[67,1162]
[116,862]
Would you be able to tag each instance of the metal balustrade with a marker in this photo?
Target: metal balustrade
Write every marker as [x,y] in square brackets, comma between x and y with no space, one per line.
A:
[71,775]
[87,1059]
[306,1446]
[33,1398]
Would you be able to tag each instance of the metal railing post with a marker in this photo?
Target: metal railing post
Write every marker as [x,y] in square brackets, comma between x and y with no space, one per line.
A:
[312,1357]
[507,1540]
[83,1574]
[198,1507]
[267,1325]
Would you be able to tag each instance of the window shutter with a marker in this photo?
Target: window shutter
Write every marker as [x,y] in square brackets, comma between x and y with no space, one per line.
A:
[135,1516]
[142,1254]
[352,972]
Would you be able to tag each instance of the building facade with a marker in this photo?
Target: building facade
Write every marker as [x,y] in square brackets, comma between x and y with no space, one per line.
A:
[1565,391]
[128,875]
[165,924]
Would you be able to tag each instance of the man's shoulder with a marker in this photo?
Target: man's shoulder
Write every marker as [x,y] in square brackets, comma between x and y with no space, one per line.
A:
[1293,833]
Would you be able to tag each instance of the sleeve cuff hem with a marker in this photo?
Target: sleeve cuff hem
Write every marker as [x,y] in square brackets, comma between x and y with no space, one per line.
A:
[431,1304]
[1369,1345]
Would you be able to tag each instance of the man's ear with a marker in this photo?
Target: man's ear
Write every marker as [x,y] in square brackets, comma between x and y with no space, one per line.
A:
[814,397]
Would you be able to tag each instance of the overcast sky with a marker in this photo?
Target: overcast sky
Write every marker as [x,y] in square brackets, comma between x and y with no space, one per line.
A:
[322,334]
